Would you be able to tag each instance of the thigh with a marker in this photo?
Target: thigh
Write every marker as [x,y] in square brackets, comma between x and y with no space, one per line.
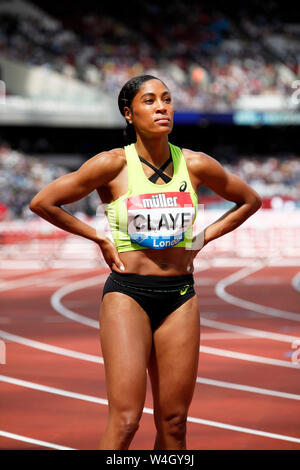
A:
[126,339]
[174,360]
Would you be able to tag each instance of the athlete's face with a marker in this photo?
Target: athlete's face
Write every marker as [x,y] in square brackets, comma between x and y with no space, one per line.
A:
[151,110]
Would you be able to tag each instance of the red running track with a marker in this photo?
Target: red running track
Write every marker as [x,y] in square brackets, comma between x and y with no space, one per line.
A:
[53,391]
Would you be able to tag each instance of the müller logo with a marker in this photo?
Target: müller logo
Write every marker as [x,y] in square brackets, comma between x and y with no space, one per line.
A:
[160,200]
[170,199]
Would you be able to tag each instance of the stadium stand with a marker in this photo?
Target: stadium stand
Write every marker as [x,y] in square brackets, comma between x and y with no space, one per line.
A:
[210,60]
[219,58]
[22,176]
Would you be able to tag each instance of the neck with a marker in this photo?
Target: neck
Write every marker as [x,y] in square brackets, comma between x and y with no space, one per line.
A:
[154,150]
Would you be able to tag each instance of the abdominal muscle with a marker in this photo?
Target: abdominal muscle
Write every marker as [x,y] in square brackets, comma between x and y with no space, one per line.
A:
[167,262]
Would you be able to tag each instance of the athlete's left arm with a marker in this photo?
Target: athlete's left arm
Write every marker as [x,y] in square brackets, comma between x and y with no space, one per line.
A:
[209,172]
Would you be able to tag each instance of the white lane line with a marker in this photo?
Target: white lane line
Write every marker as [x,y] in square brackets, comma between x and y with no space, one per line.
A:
[99,360]
[283,262]
[214,351]
[245,430]
[43,278]
[55,299]
[248,357]
[193,419]
[57,305]
[223,336]
[296,282]
[61,392]
[49,348]
[60,293]
[53,390]
[221,292]
[37,442]
[247,388]
[248,331]
[262,282]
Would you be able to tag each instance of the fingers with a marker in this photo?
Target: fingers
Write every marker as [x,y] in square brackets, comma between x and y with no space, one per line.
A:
[116,262]
[118,266]
[111,255]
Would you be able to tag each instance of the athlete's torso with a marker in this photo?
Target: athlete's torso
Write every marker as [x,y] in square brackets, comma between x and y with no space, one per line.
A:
[161,262]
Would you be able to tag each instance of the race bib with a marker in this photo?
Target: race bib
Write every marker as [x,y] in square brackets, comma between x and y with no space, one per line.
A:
[159,220]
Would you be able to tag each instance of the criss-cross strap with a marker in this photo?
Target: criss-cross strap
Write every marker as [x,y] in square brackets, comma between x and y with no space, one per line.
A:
[158,171]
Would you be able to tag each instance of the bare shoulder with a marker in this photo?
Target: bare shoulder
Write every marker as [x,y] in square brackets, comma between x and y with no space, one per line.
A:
[209,172]
[108,163]
[114,157]
[92,174]
[199,162]
[196,158]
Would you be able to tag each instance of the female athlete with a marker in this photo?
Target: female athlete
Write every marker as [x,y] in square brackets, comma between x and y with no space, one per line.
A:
[149,318]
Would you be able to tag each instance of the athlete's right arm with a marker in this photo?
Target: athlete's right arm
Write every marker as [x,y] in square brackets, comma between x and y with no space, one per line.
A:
[71,187]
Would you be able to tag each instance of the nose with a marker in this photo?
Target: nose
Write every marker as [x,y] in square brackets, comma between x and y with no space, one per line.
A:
[161,106]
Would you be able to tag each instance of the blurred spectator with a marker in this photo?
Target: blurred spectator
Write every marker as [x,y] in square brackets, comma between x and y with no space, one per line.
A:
[22,176]
[208,60]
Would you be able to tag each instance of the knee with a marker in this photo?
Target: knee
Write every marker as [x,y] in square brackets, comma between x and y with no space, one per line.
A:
[128,427]
[126,424]
[174,425]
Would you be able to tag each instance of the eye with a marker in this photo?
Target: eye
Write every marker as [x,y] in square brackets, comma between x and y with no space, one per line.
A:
[149,100]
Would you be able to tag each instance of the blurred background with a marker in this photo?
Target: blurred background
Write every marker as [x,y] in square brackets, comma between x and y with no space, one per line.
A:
[233,69]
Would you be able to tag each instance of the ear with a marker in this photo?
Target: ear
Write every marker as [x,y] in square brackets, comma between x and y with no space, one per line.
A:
[127,114]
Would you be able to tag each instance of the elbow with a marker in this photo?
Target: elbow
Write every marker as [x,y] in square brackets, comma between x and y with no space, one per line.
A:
[33,207]
[36,205]
[256,204]
[253,204]
[41,206]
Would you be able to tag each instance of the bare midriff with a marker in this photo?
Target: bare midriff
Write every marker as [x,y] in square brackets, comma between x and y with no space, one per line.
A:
[151,262]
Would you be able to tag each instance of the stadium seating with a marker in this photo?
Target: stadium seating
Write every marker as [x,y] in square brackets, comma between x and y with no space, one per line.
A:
[209,60]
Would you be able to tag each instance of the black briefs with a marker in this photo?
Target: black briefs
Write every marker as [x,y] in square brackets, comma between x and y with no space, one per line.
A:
[157,295]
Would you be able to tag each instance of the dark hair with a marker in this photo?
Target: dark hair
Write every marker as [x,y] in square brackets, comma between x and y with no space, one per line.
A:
[126,95]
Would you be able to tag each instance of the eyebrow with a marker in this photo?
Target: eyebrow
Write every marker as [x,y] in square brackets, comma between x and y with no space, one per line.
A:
[153,94]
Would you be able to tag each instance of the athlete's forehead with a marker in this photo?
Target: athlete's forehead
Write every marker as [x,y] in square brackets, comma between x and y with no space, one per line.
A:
[153,87]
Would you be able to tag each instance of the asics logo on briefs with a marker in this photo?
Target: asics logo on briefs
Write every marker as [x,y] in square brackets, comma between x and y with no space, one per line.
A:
[183,186]
[184,289]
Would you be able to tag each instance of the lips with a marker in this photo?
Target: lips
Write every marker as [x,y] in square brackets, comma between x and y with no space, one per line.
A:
[163,120]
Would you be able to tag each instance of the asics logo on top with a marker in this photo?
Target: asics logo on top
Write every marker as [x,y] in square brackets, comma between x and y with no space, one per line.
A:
[183,186]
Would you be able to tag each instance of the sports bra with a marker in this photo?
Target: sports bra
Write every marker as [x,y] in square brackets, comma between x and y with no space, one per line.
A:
[153,215]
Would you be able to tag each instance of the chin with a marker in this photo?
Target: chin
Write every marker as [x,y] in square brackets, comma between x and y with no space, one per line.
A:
[164,130]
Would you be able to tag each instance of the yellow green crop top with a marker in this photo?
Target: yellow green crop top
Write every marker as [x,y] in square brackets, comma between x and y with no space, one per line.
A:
[153,215]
